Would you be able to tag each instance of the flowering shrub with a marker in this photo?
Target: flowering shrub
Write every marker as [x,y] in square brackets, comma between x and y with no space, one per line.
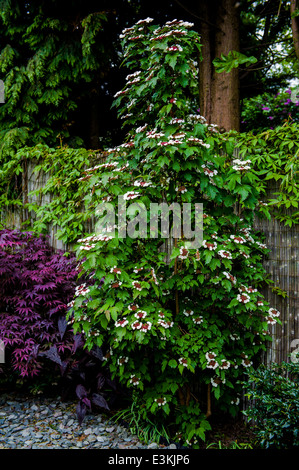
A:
[170,323]
[268,111]
[274,391]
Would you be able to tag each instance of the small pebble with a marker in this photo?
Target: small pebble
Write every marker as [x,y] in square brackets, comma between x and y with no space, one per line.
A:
[37,423]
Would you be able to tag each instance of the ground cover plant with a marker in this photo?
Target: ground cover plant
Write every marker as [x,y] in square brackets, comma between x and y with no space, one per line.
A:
[178,327]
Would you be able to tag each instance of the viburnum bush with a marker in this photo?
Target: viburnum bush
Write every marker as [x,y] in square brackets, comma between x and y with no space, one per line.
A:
[178,326]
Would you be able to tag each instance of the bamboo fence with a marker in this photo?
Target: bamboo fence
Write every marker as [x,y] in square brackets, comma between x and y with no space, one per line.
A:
[282,264]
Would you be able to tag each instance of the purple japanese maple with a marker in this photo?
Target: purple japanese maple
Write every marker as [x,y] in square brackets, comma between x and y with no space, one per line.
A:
[36,284]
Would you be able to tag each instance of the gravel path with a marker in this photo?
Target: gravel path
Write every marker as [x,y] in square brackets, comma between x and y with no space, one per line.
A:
[51,424]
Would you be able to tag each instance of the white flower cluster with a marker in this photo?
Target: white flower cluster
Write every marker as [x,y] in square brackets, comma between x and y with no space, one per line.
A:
[134,380]
[209,245]
[229,276]
[196,118]
[207,171]
[165,324]
[137,325]
[183,253]
[142,184]
[174,48]
[183,361]
[240,165]
[247,235]
[273,314]
[132,76]
[261,245]
[154,134]
[90,242]
[243,298]
[237,239]
[146,20]
[195,140]
[246,362]
[187,313]
[211,358]
[181,189]
[122,360]
[81,290]
[141,128]
[161,401]
[225,254]
[197,320]
[130,195]
[137,285]
[122,323]
[169,142]
[177,121]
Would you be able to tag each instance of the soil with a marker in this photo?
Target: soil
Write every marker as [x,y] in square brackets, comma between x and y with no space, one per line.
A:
[230,433]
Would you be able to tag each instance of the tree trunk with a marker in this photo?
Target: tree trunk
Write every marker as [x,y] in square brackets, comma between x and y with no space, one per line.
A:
[219,92]
[295,26]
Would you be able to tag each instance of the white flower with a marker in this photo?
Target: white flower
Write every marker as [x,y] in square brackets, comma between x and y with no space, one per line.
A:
[122,360]
[140,314]
[81,290]
[115,270]
[137,285]
[130,195]
[212,364]
[209,245]
[133,75]
[261,245]
[224,364]
[188,312]
[165,324]
[161,401]
[183,361]
[136,325]
[246,362]
[183,253]
[210,356]
[174,48]
[215,384]
[229,276]
[134,380]
[198,320]
[243,298]
[146,326]
[237,239]
[240,165]
[146,20]
[273,312]
[225,254]
[121,323]
[142,184]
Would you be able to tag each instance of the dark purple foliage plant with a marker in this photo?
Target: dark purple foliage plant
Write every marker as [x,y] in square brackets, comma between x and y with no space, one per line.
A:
[36,285]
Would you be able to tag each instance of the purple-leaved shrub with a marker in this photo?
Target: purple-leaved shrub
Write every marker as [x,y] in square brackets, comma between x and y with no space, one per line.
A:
[36,284]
